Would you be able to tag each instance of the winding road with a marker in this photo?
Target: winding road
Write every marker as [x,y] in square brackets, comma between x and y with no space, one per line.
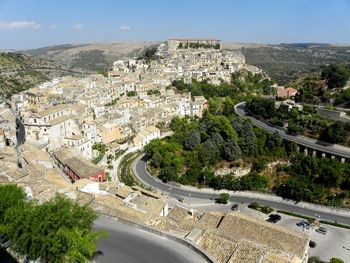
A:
[331,149]
[132,245]
[324,213]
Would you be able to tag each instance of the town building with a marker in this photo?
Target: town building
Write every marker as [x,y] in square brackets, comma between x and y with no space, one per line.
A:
[193,43]
[76,167]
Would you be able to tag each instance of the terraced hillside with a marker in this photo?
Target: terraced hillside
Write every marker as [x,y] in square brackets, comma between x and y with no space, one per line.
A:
[19,72]
[287,61]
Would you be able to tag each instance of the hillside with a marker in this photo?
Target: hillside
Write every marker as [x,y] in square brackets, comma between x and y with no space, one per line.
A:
[92,57]
[286,61]
[19,72]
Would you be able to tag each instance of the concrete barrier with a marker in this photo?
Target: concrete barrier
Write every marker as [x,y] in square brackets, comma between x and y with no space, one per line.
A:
[149,229]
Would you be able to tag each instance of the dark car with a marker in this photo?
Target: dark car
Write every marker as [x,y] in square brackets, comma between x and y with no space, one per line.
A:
[312,244]
[304,224]
[234,207]
[321,230]
[274,218]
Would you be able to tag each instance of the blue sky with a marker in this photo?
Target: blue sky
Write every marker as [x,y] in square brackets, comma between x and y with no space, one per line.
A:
[37,23]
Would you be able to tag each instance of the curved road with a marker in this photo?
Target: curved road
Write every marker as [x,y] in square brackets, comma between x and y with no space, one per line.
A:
[132,245]
[141,172]
[332,149]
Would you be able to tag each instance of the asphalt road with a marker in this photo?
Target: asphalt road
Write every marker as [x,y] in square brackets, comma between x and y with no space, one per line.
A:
[131,245]
[148,179]
[331,149]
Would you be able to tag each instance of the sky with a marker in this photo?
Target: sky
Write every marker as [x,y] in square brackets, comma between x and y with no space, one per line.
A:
[38,23]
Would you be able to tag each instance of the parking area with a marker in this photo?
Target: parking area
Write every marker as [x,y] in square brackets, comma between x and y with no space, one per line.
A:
[335,243]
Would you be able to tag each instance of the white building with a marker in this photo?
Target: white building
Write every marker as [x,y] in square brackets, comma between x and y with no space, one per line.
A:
[146,135]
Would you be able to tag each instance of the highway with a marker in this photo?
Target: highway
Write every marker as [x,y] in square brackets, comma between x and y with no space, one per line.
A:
[328,148]
[131,245]
[141,172]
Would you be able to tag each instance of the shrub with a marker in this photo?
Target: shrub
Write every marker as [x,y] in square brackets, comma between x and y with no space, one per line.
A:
[223,198]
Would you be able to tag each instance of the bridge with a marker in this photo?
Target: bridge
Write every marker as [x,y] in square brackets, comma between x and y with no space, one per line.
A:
[305,144]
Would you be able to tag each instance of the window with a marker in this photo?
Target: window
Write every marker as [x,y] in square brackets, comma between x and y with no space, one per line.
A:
[34,120]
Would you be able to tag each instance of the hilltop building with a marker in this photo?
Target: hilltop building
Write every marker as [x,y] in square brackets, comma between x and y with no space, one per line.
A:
[193,43]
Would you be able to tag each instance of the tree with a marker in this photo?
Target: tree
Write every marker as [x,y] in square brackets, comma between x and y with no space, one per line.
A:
[335,133]
[81,243]
[223,198]
[167,174]
[46,230]
[336,260]
[192,140]
[131,93]
[247,140]
[336,75]
[262,107]
[157,159]
[208,153]
[314,260]
[274,140]
[10,196]
[294,129]
[253,181]
[231,150]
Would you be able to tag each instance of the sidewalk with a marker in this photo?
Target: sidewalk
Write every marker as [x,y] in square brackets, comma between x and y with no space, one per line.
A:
[262,196]
[269,197]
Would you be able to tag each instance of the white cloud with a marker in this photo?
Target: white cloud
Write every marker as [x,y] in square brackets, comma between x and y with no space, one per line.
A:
[125,27]
[19,25]
[52,27]
[78,27]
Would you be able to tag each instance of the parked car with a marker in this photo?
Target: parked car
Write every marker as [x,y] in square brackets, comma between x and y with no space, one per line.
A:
[304,224]
[274,218]
[312,244]
[322,230]
[234,207]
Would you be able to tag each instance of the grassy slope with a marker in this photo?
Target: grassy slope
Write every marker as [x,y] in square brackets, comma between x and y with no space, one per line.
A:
[285,62]
[19,72]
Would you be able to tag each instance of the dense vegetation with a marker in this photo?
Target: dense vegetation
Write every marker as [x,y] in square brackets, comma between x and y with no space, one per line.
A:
[243,83]
[148,54]
[58,230]
[306,122]
[285,62]
[93,60]
[323,86]
[198,145]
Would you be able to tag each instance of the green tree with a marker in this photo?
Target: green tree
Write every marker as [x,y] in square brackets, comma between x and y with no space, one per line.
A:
[192,140]
[336,75]
[314,259]
[81,243]
[43,230]
[208,152]
[223,198]
[231,150]
[167,174]
[335,133]
[157,159]
[336,260]
[131,93]
[10,196]
[274,140]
